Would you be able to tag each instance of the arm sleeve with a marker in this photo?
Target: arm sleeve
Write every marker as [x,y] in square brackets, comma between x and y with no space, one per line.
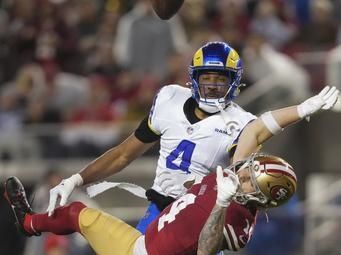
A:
[144,133]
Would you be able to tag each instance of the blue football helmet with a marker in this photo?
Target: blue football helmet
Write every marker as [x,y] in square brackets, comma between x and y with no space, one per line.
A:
[215,57]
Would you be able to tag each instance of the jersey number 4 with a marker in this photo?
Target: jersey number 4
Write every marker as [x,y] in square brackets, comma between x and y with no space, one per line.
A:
[183,152]
[176,207]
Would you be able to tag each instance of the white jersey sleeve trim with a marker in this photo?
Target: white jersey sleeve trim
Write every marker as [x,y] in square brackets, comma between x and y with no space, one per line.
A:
[151,127]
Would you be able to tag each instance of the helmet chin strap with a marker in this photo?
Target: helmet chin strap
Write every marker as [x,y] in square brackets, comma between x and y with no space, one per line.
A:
[218,107]
[208,108]
[222,113]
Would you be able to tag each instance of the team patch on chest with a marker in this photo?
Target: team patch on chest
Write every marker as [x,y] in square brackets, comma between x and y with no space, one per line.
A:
[230,129]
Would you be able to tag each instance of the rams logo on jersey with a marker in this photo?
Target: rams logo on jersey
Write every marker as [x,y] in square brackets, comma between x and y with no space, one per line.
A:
[231,127]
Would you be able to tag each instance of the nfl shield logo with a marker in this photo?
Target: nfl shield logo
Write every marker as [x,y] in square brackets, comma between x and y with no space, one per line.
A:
[190,130]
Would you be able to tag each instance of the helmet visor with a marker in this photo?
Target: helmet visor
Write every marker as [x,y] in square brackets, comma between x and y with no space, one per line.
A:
[214,84]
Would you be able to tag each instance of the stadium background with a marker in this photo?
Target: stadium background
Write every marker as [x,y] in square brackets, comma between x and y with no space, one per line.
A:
[76,76]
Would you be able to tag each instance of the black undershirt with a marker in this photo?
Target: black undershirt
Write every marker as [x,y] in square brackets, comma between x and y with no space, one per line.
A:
[189,110]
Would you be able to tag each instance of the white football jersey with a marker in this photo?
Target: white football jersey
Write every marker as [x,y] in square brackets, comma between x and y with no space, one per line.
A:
[187,148]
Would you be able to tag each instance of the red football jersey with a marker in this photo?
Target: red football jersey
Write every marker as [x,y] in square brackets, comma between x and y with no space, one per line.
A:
[176,231]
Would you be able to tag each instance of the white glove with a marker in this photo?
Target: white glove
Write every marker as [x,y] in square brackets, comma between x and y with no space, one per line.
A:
[325,100]
[226,186]
[173,183]
[63,190]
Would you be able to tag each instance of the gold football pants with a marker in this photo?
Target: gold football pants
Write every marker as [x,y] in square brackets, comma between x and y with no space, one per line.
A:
[107,234]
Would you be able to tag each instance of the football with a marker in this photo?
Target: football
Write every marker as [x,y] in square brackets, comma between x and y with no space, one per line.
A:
[166,9]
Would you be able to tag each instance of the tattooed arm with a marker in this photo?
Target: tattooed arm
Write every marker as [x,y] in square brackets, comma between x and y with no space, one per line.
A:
[211,236]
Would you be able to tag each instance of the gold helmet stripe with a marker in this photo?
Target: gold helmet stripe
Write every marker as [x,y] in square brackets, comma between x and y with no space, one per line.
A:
[232,59]
[198,58]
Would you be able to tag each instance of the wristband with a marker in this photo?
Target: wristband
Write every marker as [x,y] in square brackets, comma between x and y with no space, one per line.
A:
[223,204]
[77,179]
[270,123]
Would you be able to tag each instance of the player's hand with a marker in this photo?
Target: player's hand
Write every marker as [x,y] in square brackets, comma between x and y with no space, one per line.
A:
[325,100]
[63,190]
[226,186]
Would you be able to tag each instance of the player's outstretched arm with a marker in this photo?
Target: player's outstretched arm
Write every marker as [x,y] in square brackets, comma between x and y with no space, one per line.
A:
[211,236]
[271,123]
[166,9]
[109,163]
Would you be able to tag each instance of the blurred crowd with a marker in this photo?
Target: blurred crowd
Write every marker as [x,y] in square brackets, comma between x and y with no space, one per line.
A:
[83,66]
[72,62]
